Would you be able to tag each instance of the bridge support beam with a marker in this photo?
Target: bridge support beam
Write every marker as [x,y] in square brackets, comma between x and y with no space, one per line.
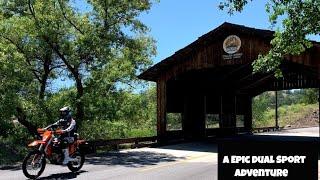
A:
[248,114]
[161,111]
[228,111]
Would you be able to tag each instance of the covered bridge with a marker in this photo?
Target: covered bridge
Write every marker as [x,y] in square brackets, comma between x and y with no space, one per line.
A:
[213,75]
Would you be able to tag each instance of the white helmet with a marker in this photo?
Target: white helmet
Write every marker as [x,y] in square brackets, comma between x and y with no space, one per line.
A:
[65,113]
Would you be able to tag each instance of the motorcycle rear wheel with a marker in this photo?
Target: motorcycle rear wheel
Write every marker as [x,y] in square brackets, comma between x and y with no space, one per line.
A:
[75,166]
[34,164]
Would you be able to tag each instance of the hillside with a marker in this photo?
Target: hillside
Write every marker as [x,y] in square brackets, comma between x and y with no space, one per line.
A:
[291,116]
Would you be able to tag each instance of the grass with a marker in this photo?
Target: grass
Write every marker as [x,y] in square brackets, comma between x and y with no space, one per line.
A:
[145,132]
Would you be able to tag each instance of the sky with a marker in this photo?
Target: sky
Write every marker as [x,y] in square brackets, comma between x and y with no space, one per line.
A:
[176,23]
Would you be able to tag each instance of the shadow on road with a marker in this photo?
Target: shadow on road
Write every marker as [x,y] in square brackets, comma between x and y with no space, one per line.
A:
[200,146]
[131,159]
[16,167]
[69,175]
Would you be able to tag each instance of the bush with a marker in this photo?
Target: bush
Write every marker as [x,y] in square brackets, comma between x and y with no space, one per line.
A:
[145,132]
[102,129]
[105,129]
[13,148]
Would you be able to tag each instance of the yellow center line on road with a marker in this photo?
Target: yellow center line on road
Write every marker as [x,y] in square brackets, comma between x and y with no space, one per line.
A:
[174,163]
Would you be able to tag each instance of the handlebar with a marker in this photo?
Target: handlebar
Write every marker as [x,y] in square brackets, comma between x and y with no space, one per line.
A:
[42,130]
[59,132]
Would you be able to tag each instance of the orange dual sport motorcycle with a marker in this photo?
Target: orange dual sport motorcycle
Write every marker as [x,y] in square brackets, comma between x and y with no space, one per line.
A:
[50,148]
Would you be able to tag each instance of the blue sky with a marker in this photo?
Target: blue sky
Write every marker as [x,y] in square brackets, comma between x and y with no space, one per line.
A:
[176,23]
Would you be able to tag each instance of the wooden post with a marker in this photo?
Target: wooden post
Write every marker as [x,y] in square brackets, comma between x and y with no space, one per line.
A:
[161,110]
[248,115]
[205,115]
[319,94]
[227,114]
[234,111]
[221,113]
[277,124]
[194,117]
[186,122]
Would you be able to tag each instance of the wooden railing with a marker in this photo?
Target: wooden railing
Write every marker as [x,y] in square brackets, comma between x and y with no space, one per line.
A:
[135,141]
[266,129]
[91,147]
[171,135]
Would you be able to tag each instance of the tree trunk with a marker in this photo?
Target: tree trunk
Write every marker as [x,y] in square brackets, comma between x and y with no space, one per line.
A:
[79,101]
[46,71]
[42,89]
[30,127]
[74,70]
[43,83]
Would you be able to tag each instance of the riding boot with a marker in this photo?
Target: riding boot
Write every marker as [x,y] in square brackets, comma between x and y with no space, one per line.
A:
[66,156]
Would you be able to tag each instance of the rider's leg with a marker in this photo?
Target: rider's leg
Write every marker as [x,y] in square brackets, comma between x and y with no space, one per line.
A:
[66,156]
[65,150]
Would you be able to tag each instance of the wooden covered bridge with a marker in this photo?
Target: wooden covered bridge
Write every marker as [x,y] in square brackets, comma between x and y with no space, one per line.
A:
[213,75]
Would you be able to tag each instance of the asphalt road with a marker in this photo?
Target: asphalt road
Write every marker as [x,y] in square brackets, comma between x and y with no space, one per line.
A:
[196,160]
[182,161]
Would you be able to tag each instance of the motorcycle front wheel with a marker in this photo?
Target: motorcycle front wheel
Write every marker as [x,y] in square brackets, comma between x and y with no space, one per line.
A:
[33,164]
[77,164]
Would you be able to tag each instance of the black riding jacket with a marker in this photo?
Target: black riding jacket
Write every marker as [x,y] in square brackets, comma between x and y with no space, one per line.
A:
[68,127]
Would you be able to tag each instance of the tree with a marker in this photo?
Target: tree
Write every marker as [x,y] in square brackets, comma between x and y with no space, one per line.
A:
[54,36]
[299,19]
[309,96]
[261,104]
[18,30]
[16,83]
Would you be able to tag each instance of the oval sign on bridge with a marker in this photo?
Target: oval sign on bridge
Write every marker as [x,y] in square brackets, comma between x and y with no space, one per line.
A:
[231,44]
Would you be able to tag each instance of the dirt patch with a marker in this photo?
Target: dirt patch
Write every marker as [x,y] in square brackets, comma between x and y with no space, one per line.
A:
[309,120]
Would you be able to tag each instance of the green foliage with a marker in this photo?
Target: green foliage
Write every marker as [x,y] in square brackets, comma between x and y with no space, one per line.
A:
[15,84]
[310,96]
[233,5]
[103,129]
[132,114]
[174,121]
[212,121]
[260,105]
[288,115]
[141,132]
[292,106]
[106,44]
[13,147]
[101,50]
[298,19]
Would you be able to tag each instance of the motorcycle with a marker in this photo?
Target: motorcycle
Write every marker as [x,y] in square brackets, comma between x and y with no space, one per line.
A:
[49,147]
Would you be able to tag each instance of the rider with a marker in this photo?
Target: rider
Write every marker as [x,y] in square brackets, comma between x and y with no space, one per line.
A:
[68,128]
